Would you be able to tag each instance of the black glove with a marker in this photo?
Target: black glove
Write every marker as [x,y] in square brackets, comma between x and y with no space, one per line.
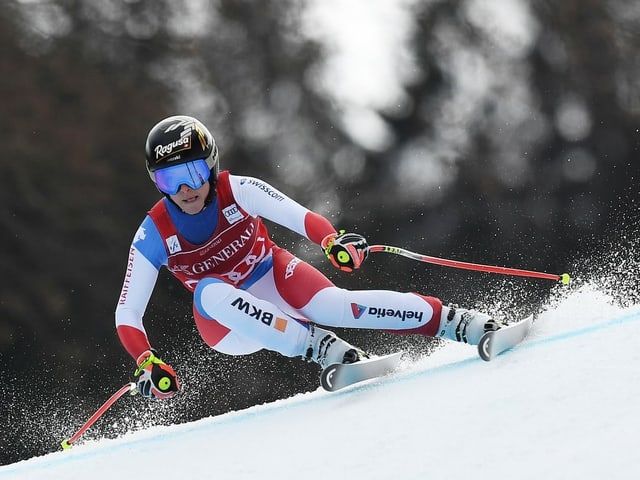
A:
[346,251]
[156,378]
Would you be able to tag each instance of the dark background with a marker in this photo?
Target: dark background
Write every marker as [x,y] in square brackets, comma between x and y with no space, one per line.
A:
[536,168]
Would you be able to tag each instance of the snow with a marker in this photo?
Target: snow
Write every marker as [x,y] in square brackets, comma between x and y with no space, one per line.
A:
[564,404]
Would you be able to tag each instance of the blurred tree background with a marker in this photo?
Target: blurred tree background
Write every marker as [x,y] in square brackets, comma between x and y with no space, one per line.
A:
[501,132]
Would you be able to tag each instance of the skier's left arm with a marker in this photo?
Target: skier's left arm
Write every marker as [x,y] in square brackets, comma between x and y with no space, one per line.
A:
[346,251]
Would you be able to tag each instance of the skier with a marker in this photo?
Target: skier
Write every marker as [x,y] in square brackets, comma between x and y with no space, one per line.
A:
[248,293]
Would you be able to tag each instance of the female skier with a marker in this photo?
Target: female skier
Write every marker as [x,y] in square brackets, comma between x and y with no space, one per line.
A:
[248,293]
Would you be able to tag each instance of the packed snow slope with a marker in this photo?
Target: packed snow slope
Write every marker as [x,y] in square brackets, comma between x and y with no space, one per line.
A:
[562,405]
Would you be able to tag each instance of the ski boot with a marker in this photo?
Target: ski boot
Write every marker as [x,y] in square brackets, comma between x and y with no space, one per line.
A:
[325,348]
[464,325]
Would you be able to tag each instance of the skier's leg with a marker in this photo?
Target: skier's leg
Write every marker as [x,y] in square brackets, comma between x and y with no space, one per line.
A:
[396,312]
[221,338]
[235,321]
[404,313]
[315,297]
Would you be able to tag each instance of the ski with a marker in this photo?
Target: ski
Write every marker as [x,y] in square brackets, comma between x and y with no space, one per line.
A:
[498,341]
[340,375]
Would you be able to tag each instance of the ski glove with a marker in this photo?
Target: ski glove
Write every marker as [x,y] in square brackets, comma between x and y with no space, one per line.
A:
[346,251]
[156,379]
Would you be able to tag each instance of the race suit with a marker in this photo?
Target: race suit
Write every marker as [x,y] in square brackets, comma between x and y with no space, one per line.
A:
[248,293]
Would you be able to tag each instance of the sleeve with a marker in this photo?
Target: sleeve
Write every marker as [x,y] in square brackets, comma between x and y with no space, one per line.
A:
[139,281]
[260,199]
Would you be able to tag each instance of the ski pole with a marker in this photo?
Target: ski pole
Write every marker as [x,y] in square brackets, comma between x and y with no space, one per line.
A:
[129,387]
[564,278]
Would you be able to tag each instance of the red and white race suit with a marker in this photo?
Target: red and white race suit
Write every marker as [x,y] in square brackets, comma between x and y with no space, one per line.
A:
[249,293]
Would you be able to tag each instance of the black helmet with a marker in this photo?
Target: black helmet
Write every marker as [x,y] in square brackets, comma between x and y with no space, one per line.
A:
[180,139]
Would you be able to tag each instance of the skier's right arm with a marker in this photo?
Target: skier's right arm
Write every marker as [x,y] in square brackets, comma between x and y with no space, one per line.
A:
[139,280]
[156,379]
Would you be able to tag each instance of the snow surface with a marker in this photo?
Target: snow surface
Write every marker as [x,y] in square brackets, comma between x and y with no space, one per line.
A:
[563,405]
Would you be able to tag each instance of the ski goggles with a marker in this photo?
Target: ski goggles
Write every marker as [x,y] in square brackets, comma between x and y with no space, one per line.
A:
[193,174]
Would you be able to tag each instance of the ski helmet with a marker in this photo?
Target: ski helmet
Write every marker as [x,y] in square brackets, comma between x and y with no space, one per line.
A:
[178,140]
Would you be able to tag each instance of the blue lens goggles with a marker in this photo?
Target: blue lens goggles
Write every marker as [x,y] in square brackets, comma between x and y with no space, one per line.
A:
[193,174]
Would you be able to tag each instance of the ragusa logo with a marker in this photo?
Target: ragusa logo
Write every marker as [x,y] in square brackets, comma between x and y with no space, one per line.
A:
[162,151]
